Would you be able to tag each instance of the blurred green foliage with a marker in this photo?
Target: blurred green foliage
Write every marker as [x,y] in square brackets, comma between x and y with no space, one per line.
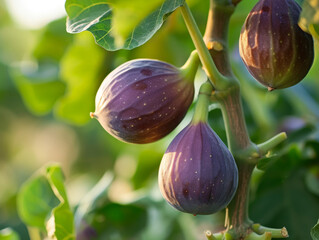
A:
[48,81]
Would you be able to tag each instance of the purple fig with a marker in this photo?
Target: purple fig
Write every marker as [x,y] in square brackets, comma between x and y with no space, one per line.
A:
[198,174]
[143,100]
[272,45]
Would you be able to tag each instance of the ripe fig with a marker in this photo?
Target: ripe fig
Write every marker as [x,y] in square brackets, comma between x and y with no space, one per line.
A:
[272,45]
[198,174]
[143,100]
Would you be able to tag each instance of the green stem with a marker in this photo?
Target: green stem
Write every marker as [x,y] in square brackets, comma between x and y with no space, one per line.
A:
[238,208]
[254,236]
[218,80]
[189,69]
[233,115]
[201,109]
[210,236]
[271,143]
[275,232]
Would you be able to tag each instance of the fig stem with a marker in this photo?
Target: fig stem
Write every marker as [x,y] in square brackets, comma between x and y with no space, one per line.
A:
[189,69]
[203,101]
[210,236]
[227,236]
[219,81]
[275,232]
[271,143]
[255,236]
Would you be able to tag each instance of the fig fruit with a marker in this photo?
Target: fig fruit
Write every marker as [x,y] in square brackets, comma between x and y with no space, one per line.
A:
[272,45]
[198,174]
[143,100]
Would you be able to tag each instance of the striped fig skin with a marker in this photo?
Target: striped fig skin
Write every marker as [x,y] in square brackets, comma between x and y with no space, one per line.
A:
[272,45]
[143,100]
[198,174]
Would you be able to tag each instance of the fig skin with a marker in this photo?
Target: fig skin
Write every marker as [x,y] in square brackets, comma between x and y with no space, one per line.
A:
[143,100]
[198,174]
[273,47]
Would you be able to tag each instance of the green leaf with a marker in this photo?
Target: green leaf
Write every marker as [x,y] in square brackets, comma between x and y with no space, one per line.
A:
[96,215]
[309,18]
[122,28]
[125,220]
[42,203]
[96,197]
[53,42]
[282,198]
[128,14]
[39,88]
[8,234]
[315,232]
[81,71]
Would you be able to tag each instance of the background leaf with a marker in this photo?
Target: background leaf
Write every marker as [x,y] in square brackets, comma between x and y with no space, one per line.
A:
[39,89]
[42,203]
[80,70]
[98,18]
[282,196]
[39,82]
[315,232]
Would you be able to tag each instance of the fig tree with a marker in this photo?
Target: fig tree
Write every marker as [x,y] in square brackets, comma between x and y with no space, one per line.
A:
[272,45]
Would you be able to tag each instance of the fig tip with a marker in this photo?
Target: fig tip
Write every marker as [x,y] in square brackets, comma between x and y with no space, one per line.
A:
[93,115]
[270,89]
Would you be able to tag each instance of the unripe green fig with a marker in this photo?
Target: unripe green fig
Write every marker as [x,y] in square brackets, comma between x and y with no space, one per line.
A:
[143,100]
[272,45]
[198,174]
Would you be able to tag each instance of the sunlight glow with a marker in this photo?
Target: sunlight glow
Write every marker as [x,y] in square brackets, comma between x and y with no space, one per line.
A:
[34,14]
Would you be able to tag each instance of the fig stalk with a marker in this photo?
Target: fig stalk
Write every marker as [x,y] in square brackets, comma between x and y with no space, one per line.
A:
[201,113]
[218,80]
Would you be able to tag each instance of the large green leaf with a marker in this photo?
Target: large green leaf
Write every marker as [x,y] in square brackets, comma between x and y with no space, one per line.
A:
[53,42]
[40,86]
[309,18]
[118,27]
[283,199]
[8,234]
[315,232]
[42,203]
[97,216]
[81,71]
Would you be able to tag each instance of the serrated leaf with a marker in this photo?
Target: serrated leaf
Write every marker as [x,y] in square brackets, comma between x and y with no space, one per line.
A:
[315,232]
[40,88]
[42,203]
[8,234]
[80,70]
[98,17]
[309,17]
